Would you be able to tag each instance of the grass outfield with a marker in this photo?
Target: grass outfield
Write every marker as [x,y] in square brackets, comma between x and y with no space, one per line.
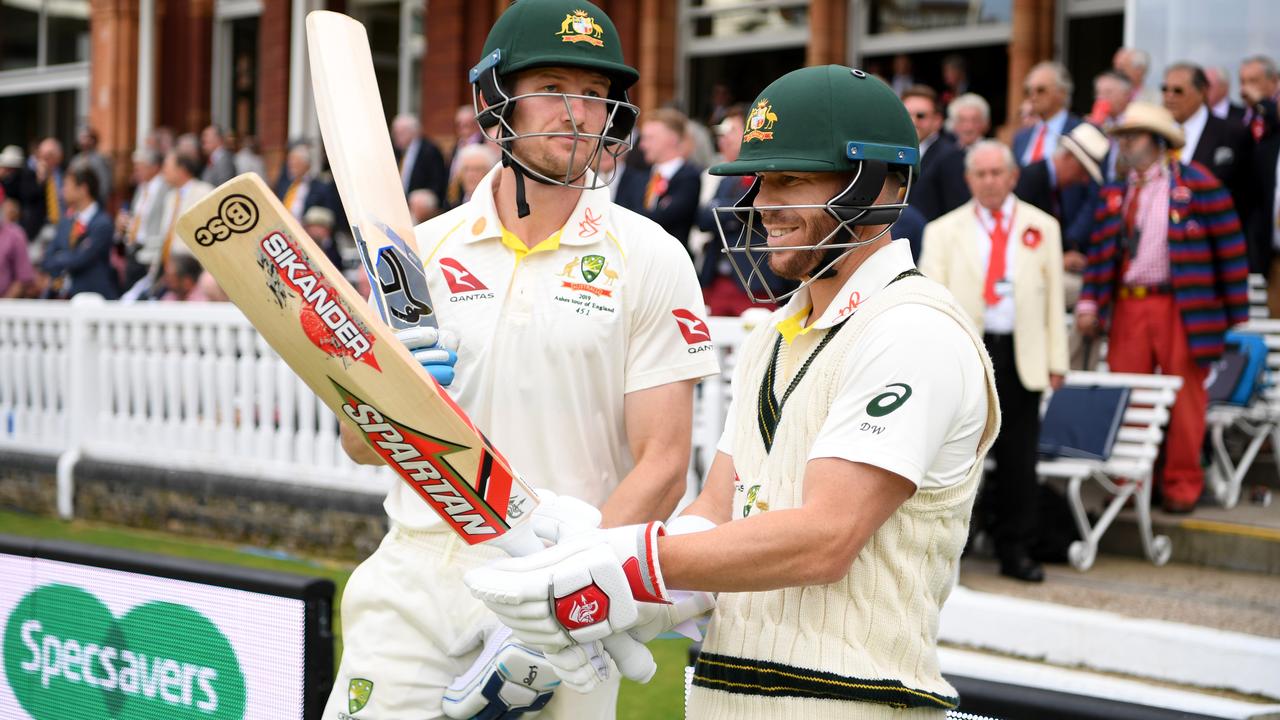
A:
[661,699]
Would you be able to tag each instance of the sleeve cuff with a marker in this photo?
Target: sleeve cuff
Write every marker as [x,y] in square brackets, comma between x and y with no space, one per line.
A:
[894,464]
[697,370]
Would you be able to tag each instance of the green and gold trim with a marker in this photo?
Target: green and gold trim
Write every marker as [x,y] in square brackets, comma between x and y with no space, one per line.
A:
[769,679]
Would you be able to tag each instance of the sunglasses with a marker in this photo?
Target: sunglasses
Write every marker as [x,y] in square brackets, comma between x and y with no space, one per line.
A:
[921,115]
[1175,89]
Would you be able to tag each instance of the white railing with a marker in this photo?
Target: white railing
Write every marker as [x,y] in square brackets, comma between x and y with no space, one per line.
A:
[193,387]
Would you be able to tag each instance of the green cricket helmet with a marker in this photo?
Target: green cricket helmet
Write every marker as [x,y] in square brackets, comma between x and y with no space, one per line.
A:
[554,33]
[832,119]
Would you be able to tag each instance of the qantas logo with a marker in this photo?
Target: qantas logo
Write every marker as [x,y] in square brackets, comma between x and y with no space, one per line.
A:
[459,278]
[691,327]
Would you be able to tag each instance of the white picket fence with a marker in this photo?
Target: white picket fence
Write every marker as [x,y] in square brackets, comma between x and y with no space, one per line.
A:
[193,387]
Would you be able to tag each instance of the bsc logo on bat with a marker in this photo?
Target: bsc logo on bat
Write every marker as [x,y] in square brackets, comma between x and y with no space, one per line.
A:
[236,214]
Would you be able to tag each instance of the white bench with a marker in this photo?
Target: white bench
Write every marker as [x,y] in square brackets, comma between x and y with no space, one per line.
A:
[1128,472]
[1256,422]
[1257,297]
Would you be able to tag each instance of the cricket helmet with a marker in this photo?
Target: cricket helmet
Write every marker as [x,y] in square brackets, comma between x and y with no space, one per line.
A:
[819,119]
[555,33]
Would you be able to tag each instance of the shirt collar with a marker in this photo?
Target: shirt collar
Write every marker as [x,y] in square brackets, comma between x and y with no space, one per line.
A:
[668,168]
[1153,173]
[1222,107]
[927,143]
[87,214]
[1006,212]
[872,275]
[589,222]
[1195,124]
[1056,122]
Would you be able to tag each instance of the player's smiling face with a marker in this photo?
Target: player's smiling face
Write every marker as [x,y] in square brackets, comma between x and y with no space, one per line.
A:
[562,156]
[797,227]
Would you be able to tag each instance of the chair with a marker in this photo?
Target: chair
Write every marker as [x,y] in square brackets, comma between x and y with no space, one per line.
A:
[1256,422]
[1127,472]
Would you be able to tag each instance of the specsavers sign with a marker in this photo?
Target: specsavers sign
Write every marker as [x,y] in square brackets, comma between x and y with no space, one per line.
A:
[87,642]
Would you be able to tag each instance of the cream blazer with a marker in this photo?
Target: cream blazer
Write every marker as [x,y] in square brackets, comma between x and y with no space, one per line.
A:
[950,256]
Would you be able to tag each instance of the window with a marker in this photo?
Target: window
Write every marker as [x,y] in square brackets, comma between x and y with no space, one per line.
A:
[895,16]
[44,69]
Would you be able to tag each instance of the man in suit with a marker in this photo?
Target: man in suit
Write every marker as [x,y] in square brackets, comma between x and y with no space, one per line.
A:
[1263,228]
[301,189]
[1217,97]
[42,203]
[1260,90]
[1064,185]
[1166,279]
[968,119]
[221,165]
[1002,260]
[143,225]
[181,172]
[79,259]
[1048,87]
[672,192]
[941,186]
[422,165]
[1223,148]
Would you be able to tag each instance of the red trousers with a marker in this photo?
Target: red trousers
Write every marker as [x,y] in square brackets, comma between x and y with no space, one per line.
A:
[1146,334]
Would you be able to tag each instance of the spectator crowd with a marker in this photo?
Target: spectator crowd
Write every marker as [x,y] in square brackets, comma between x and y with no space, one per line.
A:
[1142,218]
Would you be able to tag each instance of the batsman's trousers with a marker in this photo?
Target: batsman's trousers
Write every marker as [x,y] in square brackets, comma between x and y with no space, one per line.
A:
[403,611]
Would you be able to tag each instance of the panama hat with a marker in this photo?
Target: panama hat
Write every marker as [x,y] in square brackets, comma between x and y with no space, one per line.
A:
[11,157]
[1147,117]
[1089,146]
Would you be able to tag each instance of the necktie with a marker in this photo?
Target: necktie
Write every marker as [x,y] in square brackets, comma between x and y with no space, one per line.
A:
[173,223]
[291,195]
[77,232]
[995,264]
[51,199]
[1037,150]
[657,185]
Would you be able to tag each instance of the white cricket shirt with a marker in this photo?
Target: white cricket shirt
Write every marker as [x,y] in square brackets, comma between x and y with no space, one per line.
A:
[552,338]
[932,436]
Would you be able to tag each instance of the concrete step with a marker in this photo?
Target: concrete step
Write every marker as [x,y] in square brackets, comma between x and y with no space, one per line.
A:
[1246,537]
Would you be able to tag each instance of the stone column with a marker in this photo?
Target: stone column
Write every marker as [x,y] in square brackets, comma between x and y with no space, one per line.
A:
[274,46]
[828,32]
[1031,42]
[185,43]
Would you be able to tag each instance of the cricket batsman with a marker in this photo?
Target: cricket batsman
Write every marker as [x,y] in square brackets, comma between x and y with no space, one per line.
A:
[834,515]
[581,342]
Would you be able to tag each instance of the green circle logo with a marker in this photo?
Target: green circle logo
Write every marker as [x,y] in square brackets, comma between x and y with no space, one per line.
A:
[65,656]
[885,403]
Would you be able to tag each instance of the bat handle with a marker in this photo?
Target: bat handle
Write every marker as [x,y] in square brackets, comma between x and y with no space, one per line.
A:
[634,661]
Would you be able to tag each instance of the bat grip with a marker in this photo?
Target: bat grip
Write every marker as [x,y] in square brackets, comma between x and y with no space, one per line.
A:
[630,655]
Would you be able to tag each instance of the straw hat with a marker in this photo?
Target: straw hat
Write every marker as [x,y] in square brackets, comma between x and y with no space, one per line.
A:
[1089,146]
[317,215]
[1146,117]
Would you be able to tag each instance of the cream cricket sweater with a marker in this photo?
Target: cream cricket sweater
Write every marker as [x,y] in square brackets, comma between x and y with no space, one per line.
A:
[865,646]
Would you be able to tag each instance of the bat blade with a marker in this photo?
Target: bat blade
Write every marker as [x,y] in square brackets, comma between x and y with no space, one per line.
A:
[332,339]
[363,162]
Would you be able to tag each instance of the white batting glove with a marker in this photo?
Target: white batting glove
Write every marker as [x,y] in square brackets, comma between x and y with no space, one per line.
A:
[436,350]
[686,605]
[508,680]
[560,517]
[583,590]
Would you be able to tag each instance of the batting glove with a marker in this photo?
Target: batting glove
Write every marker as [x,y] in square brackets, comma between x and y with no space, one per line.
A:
[435,349]
[507,681]
[686,605]
[580,591]
[560,517]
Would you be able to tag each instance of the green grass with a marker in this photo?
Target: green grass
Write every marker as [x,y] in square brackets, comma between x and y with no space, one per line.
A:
[661,699]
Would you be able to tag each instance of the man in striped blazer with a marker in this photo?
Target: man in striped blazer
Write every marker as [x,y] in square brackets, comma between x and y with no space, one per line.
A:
[1166,278]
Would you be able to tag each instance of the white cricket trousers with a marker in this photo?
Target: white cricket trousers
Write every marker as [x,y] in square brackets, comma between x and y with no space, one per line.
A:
[403,610]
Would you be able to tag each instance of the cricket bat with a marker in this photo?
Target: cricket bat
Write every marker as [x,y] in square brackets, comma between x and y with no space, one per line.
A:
[351,359]
[363,162]
[331,338]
